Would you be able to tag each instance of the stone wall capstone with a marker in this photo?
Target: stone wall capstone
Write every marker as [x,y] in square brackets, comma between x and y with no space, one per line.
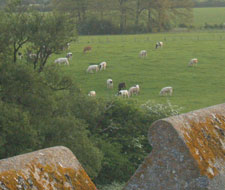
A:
[47,169]
[188,153]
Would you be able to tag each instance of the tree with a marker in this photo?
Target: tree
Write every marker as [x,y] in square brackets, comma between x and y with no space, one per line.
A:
[5,49]
[162,13]
[49,34]
[17,135]
[35,116]
[139,7]
[16,20]
[100,7]
[77,8]
[44,34]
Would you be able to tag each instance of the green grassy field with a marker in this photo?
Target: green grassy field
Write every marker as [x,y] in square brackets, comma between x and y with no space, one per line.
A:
[213,15]
[194,87]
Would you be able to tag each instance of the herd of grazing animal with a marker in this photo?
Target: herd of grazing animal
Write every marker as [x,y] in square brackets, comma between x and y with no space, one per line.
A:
[134,90]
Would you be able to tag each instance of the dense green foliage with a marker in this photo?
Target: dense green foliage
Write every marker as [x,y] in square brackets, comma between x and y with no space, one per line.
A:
[43,104]
[34,33]
[34,116]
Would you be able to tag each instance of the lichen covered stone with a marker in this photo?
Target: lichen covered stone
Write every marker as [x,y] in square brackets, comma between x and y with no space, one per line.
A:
[188,153]
[49,169]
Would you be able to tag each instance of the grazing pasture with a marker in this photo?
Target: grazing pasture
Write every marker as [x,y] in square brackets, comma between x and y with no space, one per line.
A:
[210,15]
[193,87]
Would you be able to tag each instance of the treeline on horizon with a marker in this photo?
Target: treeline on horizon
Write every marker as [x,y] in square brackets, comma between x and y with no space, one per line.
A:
[96,17]
[44,4]
[121,16]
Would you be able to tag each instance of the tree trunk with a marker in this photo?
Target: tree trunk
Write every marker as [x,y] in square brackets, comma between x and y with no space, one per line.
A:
[122,14]
[101,15]
[14,53]
[137,13]
[83,14]
[79,16]
[149,21]
[121,22]
[125,19]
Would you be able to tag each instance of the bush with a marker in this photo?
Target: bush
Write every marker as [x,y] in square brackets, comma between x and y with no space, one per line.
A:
[35,115]
[183,25]
[132,29]
[113,186]
[159,111]
[94,26]
[214,26]
[17,134]
[122,128]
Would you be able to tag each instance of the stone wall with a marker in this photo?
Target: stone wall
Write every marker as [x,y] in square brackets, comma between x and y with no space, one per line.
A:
[49,169]
[188,153]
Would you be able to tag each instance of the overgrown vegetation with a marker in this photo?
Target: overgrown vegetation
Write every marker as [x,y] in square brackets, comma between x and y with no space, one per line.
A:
[42,106]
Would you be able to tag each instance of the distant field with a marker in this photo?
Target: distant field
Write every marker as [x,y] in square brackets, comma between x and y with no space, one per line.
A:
[211,16]
[194,87]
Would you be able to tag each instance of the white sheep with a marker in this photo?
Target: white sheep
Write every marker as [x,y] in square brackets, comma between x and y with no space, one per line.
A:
[102,66]
[62,60]
[193,62]
[92,68]
[138,88]
[166,91]
[134,90]
[123,93]
[92,93]
[143,53]
[159,44]
[109,83]
[69,55]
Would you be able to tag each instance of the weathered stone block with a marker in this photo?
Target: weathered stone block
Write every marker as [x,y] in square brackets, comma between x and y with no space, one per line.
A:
[47,169]
[188,153]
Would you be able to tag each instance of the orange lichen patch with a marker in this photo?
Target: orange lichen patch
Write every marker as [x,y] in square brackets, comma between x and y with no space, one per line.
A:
[47,177]
[205,141]
[10,179]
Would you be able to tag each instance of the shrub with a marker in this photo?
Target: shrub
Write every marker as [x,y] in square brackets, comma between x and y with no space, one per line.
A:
[122,128]
[35,115]
[94,26]
[183,25]
[159,111]
[113,186]
[214,26]
[132,29]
